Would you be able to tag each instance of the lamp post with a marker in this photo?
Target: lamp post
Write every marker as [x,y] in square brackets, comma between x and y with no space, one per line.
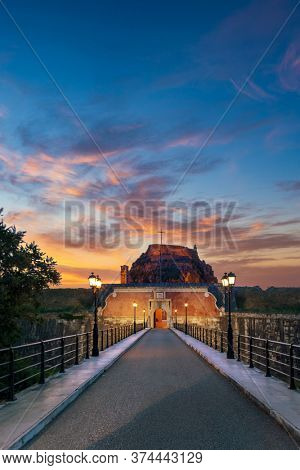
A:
[134,316]
[175,317]
[144,312]
[186,318]
[228,281]
[95,283]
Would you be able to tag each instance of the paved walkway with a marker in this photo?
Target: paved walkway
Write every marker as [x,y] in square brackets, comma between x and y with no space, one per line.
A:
[272,394]
[36,406]
[161,395]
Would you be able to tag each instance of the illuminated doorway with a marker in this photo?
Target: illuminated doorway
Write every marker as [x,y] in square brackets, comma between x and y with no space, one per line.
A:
[160,318]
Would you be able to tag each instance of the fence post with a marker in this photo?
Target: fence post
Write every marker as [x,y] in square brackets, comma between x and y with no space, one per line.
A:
[268,372]
[221,341]
[76,351]
[216,340]
[42,374]
[62,352]
[292,385]
[211,340]
[239,348]
[87,353]
[11,375]
[251,353]
[112,336]
[107,336]
[102,340]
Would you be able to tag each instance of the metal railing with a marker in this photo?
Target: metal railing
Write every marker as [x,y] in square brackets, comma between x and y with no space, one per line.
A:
[27,364]
[274,358]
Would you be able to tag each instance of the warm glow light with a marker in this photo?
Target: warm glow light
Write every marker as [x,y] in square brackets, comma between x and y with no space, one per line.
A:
[186,304]
[175,310]
[231,278]
[225,280]
[92,280]
[98,282]
[144,311]
[134,304]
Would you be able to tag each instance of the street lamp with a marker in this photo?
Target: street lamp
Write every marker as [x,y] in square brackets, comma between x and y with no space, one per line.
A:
[175,317]
[228,281]
[95,283]
[134,316]
[144,312]
[186,319]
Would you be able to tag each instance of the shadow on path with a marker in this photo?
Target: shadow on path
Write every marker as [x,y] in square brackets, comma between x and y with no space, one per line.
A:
[161,395]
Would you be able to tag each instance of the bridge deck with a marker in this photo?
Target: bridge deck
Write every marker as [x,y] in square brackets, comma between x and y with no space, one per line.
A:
[161,395]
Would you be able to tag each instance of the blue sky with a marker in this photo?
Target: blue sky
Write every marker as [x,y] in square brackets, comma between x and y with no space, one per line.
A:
[145,84]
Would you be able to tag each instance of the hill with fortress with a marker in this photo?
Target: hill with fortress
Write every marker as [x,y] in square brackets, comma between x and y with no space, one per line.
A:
[179,264]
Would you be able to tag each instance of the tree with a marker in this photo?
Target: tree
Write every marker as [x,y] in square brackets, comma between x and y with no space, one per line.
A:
[25,271]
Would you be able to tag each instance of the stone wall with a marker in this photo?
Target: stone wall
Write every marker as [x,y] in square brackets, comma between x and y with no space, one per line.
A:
[284,328]
[119,309]
[52,326]
[277,327]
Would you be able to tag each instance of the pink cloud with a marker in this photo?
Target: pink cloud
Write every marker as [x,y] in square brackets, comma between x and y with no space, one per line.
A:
[289,68]
[252,90]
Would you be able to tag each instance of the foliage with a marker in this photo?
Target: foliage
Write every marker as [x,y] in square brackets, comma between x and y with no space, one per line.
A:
[271,300]
[66,301]
[25,271]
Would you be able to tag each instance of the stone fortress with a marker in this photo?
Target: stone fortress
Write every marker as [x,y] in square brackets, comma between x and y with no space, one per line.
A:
[161,281]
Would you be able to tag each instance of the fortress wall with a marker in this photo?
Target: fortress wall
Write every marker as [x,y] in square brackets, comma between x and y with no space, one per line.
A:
[199,304]
[277,327]
[119,307]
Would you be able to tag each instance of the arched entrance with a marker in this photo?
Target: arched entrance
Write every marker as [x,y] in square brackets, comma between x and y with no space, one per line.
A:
[160,318]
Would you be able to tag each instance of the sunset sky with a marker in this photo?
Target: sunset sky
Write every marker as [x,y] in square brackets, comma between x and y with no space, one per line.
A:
[117,101]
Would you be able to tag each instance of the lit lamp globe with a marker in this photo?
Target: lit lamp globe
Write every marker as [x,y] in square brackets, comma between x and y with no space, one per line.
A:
[134,304]
[92,280]
[225,280]
[98,282]
[231,279]
[186,304]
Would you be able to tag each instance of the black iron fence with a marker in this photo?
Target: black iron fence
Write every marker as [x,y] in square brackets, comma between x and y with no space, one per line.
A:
[281,360]
[27,364]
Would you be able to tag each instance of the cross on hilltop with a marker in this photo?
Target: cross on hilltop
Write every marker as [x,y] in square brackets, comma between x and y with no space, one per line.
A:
[161,235]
